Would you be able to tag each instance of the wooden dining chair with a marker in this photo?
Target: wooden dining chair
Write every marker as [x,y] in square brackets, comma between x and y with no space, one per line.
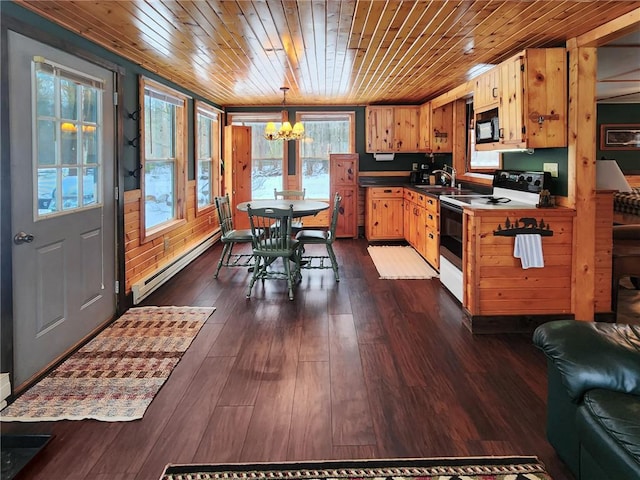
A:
[321,237]
[230,237]
[272,239]
[296,224]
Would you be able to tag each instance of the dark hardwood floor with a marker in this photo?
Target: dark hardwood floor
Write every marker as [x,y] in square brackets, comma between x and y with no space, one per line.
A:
[363,368]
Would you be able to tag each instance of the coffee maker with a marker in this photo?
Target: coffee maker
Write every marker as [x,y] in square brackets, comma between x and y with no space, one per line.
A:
[420,176]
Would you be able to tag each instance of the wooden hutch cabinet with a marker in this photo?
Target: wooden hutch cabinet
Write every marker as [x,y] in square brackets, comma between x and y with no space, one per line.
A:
[344,180]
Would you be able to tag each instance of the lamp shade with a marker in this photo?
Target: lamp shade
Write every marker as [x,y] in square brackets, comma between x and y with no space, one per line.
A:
[298,129]
[270,129]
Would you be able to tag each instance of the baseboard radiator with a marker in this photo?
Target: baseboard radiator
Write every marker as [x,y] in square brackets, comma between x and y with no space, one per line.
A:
[146,286]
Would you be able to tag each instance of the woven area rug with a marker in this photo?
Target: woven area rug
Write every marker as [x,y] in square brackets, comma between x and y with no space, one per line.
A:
[398,262]
[114,377]
[471,468]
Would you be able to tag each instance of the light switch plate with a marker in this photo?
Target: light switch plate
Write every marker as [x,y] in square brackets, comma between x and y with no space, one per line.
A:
[552,168]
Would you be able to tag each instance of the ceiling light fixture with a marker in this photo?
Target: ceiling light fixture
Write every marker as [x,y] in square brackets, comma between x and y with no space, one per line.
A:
[286,132]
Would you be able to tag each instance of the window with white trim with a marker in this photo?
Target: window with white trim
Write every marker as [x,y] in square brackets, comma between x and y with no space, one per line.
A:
[207,150]
[163,142]
[68,139]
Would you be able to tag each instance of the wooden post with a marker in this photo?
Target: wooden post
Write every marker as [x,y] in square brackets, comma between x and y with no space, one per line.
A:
[582,177]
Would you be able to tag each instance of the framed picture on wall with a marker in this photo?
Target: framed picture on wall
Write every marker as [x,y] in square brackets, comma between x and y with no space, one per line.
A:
[620,136]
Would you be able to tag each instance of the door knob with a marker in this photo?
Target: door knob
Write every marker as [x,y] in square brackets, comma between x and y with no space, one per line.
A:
[22,237]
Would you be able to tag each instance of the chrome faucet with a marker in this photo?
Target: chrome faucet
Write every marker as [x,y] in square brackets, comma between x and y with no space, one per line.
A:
[452,175]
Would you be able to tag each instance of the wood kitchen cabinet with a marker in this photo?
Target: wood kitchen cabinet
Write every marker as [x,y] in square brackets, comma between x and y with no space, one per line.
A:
[406,129]
[432,231]
[486,92]
[421,225]
[391,129]
[414,223]
[237,170]
[442,129]
[384,216]
[532,107]
[379,129]
[425,127]
[499,295]
[344,180]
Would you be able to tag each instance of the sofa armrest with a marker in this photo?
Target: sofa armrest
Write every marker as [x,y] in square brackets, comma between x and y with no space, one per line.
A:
[592,355]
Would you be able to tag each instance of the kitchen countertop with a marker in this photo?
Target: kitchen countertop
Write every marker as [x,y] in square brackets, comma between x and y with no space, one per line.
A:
[396,181]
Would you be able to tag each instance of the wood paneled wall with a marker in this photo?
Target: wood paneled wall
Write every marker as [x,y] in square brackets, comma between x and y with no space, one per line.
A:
[496,283]
[604,244]
[144,259]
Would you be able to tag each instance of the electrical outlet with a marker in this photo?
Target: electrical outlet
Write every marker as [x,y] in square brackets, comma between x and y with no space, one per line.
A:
[414,166]
[166,244]
[552,168]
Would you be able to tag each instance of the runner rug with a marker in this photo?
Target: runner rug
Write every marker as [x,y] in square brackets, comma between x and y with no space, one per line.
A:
[114,377]
[400,262]
[471,468]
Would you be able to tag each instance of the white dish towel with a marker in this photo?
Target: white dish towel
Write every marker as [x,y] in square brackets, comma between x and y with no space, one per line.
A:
[528,248]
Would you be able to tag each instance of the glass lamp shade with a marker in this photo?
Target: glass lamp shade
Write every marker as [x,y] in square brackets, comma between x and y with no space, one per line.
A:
[270,129]
[298,129]
[285,129]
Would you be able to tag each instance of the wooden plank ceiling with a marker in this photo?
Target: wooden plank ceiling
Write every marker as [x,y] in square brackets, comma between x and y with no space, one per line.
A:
[329,52]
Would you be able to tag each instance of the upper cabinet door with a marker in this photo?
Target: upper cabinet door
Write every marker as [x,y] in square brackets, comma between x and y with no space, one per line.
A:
[406,129]
[379,129]
[511,102]
[442,129]
[486,93]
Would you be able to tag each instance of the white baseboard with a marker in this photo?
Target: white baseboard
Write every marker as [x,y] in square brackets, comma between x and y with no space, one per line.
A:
[145,287]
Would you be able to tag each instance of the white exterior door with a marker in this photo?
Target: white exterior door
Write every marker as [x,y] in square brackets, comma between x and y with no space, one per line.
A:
[62,201]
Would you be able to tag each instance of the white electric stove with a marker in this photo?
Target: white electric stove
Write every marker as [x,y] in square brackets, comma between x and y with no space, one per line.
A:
[511,190]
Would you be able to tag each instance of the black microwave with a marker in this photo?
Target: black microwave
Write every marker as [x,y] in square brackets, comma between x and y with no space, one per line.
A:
[488,130]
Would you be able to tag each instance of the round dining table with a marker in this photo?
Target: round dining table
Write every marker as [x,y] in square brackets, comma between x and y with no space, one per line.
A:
[301,208]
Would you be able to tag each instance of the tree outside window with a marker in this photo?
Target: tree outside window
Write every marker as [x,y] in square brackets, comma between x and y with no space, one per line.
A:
[325,133]
[267,156]
[163,118]
[207,155]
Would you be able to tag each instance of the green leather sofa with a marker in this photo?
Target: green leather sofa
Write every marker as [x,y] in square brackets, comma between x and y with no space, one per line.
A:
[593,410]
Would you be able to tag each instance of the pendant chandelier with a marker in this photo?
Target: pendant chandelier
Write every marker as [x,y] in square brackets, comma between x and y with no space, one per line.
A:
[286,132]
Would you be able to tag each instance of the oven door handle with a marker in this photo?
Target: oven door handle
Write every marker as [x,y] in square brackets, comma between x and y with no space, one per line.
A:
[449,206]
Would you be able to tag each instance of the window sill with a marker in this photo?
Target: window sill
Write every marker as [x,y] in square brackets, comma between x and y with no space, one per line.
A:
[206,210]
[162,229]
[479,178]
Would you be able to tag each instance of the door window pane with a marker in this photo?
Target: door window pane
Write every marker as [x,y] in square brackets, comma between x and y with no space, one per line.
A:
[63,141]
[45,85]
[46,142]
[68,105]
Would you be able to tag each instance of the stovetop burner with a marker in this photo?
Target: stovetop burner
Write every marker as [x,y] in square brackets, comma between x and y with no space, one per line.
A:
[511,189]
